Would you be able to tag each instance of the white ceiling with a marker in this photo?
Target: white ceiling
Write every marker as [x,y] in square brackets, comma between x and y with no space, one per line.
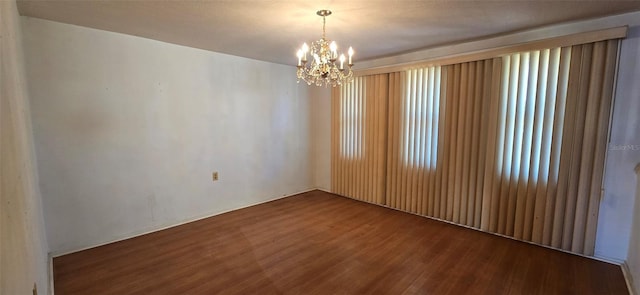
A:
[272,30]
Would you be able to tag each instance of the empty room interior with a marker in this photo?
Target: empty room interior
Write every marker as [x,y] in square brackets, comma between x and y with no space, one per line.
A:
[319,147]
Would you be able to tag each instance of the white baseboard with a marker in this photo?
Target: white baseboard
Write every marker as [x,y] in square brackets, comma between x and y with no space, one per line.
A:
[628,278]
[163,227]
[323,189]
[51,290]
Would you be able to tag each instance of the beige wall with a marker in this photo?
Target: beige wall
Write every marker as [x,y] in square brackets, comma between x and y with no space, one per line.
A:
[128,131]
[23,248]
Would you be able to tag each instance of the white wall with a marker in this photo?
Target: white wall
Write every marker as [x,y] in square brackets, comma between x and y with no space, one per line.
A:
[128,131]
[616,208]
[320,105]
[23,247]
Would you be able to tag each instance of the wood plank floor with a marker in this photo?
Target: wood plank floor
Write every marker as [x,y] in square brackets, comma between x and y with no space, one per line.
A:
[319,243]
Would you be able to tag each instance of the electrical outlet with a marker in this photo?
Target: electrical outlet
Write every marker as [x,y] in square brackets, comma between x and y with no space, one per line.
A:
[215,176]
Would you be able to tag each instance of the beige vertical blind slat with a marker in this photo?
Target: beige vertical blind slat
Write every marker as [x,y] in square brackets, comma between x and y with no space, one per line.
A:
[441,153]
[419,175]
[442,170]
[414,142]
[337,106]
[344,143]
[431,136]
[349,138]
[388,178]
[466,146]
[458,145]
[431,153]
[357,132]
[379,135]
[366,142]
[359,160]
[421,135]
[345,130]
[451,138]
[403,116]
[473,124]
[392,144]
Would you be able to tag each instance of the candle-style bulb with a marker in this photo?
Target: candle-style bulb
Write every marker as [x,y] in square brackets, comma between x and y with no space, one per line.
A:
[334,49]
[299,54]
[305,49]
[350,54]
[342,58]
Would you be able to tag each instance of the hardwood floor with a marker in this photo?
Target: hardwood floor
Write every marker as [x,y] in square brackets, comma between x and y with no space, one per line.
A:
[319,243]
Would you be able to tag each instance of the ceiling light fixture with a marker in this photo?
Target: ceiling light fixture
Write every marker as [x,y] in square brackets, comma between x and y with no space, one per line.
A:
[323,70]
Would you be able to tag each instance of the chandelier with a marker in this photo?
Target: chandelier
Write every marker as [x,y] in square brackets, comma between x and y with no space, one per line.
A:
[323,69]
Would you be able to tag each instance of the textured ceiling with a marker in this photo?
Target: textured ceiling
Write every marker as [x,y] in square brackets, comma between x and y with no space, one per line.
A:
[272,30]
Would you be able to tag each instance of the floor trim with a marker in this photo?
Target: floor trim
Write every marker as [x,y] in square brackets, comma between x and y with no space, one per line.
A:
[141,233]
[627,277]
[51,290]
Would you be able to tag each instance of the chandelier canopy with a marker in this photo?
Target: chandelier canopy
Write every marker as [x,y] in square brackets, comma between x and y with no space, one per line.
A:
[323,69]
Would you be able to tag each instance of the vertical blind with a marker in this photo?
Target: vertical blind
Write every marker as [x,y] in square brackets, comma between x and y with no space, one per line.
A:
[414,112]
[512,145]
[527,142]
[589,96]
[359,128]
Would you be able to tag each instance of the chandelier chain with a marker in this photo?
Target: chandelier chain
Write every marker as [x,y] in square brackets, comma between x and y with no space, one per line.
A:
[324,23]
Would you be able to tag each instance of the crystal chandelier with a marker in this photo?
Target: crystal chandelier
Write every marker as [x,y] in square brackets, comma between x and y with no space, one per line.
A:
[323,70]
